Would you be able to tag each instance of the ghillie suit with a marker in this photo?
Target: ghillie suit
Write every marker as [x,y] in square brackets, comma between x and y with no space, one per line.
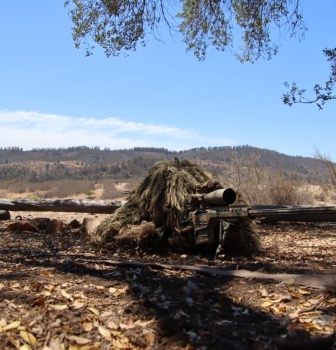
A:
[156,209]
[159,198]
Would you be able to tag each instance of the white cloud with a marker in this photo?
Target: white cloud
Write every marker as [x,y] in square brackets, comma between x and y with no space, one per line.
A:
[36,130]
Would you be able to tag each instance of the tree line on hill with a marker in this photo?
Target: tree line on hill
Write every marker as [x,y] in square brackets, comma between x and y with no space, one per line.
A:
[30,173]
[91,163]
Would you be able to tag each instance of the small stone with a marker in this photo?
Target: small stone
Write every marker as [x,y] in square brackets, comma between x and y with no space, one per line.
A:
[90,224]
[55,225]
[22,225]
[74,224]
[4,215]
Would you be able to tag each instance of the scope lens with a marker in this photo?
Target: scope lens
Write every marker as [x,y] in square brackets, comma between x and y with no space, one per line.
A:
[229,195]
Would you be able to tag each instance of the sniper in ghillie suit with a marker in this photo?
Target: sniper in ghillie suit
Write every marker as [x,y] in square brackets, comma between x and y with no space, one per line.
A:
[180,206]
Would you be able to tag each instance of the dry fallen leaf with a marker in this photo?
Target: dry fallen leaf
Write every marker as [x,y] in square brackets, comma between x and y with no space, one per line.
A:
[112,325]
[121,291]
[38,330]
[304,292]
[266,304]
[15,342]
[116,333]
[39,301]
[28,337]
[126,326]
[87,326]
[330,301]
[49,287]
[66,295]
[144,323]
[11,326]
[46,273]
[59,307]
[124,340]
[150,338]
[15,285]
[82,347]
[94,311]
[264,292]
[314,301]
[307,318]
[25,347]
[77,305]
[56,324]
[312,327]
[275,310]
[104,332]
[74,346]
[78,340]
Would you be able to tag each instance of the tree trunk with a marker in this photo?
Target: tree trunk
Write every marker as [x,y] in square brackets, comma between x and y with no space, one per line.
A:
[65,205]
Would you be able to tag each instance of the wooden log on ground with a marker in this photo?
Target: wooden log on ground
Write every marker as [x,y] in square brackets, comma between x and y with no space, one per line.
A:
[267,213]
[61,205]
[271,213]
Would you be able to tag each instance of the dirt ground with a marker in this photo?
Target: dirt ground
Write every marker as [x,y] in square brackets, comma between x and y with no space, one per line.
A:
[61,291]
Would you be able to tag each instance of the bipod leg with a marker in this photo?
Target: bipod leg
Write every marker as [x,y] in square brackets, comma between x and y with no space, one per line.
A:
[222,237]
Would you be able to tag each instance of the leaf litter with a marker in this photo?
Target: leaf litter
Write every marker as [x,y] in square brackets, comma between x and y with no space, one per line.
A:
[46,303]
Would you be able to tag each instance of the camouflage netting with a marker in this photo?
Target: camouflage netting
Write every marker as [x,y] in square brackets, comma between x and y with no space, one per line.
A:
[154,210]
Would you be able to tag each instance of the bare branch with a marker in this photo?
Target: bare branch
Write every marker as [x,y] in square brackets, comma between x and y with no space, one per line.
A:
[322,94]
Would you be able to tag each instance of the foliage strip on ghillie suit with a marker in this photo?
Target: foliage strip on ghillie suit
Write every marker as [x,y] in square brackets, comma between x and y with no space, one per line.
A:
[155,209]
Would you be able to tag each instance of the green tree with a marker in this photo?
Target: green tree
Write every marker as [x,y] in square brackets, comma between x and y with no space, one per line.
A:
[245,27]
[118,26]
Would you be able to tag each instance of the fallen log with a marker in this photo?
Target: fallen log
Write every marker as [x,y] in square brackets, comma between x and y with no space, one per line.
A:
[64,205]
[266,213]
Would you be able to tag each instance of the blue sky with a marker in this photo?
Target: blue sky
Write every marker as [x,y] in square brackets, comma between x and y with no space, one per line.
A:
[51,95]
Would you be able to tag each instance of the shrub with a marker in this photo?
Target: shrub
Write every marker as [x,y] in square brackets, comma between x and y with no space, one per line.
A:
[258,185]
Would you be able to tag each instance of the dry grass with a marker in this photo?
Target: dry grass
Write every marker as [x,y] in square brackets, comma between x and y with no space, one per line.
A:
[111,190]
[49,189]
[265,186]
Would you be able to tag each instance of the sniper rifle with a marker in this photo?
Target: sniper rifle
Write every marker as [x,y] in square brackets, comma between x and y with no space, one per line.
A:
[211,214]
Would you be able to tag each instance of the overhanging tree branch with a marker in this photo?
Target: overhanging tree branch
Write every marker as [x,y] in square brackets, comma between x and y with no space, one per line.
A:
[322,93]
[118,26]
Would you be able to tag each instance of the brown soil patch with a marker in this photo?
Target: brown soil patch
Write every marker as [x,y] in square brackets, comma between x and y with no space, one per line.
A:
[59,292]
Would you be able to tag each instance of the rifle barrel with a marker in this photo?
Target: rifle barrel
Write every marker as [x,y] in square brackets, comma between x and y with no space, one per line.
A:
[268,213]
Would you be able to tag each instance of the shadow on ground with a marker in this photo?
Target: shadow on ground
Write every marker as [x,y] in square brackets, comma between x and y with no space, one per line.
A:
[185,310]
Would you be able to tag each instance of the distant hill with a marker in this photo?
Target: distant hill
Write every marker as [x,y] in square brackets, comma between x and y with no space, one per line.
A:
[45,164]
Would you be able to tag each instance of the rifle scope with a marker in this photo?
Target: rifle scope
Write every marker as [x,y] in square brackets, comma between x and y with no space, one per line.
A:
[225,196]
